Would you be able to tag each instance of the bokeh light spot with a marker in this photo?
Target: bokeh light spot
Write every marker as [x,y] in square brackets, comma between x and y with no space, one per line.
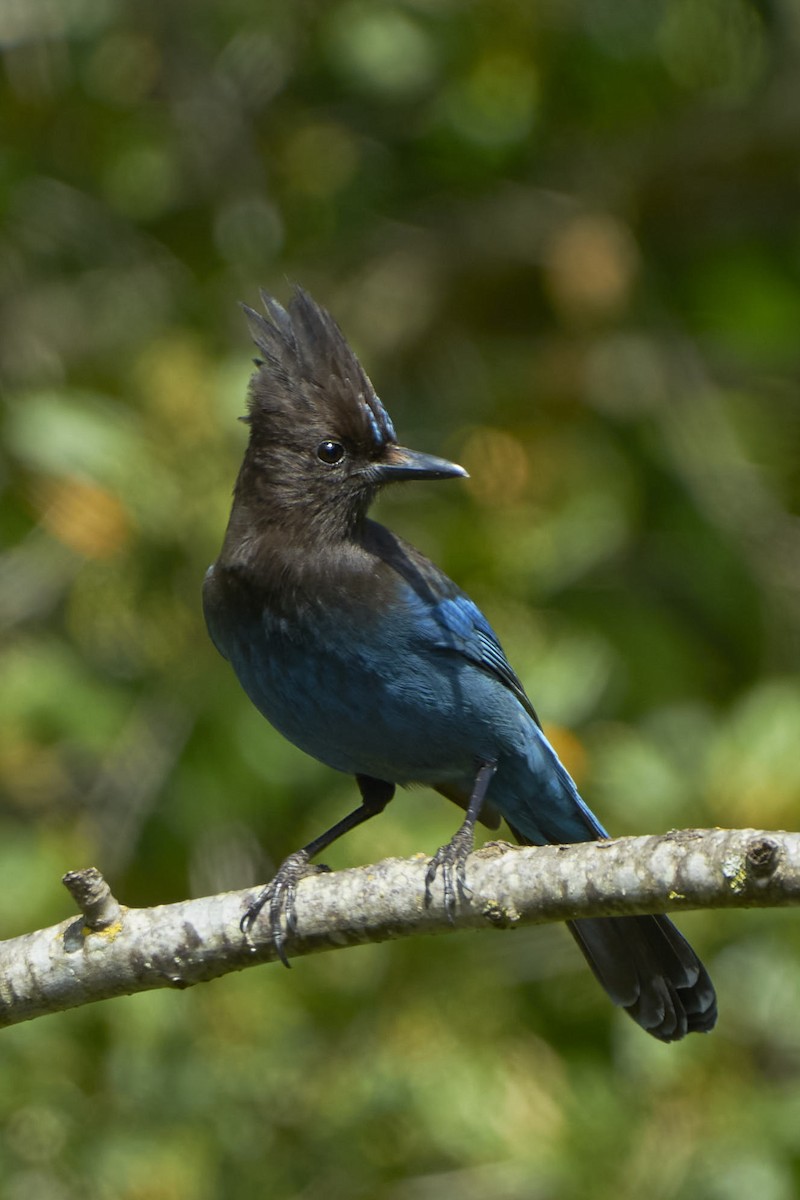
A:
[496,103]
[87,518]
[590,266]
[320,159]
[498,465]
[382,49]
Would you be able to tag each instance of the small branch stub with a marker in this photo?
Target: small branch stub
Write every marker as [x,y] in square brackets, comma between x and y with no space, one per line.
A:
[93,897]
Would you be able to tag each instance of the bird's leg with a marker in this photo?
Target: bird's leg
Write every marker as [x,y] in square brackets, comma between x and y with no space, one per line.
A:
[452,858]
[280,893]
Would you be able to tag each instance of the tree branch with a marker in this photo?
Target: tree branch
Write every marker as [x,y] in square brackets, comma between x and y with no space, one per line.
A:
[113,951]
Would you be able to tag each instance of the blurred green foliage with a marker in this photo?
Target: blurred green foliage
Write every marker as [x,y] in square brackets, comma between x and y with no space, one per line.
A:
[564,237]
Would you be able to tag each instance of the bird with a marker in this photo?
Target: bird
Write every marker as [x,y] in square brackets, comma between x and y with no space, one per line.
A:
[364,654]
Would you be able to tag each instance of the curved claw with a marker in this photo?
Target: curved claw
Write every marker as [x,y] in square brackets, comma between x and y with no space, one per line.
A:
[452,861]
[452,858]
[280,895]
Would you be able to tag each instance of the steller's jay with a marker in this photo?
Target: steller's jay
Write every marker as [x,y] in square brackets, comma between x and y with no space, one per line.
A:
[364,654]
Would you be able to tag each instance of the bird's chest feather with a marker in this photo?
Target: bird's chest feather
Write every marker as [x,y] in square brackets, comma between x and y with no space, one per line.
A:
[363,692]
[357,696]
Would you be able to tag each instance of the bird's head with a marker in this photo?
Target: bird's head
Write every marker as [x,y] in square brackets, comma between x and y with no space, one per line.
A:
[321,443]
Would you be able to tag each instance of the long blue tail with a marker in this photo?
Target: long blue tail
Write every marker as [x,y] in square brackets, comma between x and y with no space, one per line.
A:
[644,964]
[648,968]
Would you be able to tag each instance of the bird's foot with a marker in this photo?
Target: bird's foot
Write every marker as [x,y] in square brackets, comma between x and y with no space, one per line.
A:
[451,860]
[278,897]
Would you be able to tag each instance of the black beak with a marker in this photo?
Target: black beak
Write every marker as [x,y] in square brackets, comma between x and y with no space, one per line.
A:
[399,463]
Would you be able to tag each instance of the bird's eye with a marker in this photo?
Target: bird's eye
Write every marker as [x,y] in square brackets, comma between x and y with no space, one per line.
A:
[330,453]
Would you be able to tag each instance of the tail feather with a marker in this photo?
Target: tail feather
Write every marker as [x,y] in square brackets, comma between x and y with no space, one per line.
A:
[648,968]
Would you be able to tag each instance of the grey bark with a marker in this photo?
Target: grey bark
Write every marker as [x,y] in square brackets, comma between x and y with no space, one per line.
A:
[111,950]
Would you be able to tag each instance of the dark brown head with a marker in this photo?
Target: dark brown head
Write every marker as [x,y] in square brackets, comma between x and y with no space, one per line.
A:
[321,442]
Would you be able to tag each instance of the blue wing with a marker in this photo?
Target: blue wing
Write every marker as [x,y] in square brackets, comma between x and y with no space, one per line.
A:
[468,631]
[455,622]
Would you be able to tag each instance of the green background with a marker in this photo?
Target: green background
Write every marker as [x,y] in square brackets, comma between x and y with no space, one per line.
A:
[564,237]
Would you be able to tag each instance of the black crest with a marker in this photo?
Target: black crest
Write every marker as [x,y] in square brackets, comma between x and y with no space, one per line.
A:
[308,376]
